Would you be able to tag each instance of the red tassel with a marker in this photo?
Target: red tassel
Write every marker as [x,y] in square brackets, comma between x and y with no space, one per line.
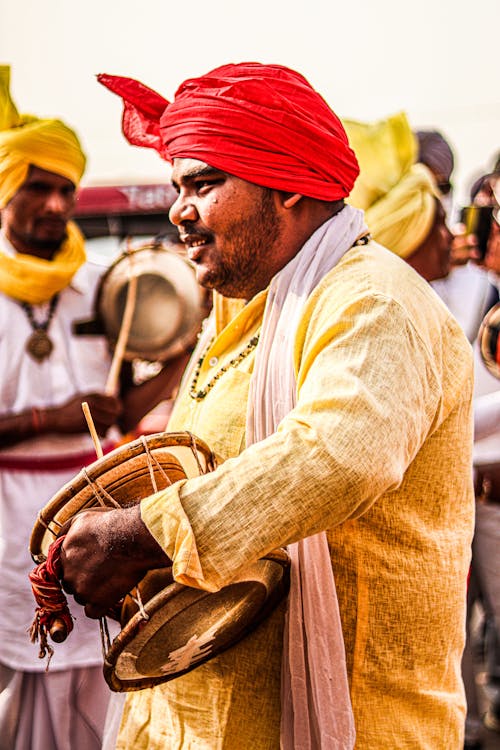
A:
[52,616]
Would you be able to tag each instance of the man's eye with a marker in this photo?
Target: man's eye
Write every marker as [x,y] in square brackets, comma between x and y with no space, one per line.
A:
[37,187]
[203,186]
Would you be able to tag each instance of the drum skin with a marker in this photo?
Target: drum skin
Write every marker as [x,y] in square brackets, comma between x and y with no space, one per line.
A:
[170,304]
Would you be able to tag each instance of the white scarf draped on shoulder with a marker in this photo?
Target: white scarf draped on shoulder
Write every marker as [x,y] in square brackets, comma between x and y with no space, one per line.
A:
[316,706]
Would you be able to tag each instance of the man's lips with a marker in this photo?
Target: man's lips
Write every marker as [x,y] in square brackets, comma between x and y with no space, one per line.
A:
[195,244]
[54,225]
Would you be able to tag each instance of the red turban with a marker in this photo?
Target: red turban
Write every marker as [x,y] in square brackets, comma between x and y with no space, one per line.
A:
[262,123]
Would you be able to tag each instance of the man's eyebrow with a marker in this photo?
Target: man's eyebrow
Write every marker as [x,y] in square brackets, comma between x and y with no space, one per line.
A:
[195,172]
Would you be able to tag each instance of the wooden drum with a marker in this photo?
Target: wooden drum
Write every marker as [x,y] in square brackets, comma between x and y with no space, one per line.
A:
[167,629]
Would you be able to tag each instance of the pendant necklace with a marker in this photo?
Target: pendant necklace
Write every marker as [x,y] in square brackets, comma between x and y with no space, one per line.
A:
[39,346]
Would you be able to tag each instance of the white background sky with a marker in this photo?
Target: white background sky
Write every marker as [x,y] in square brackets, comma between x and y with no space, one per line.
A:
[438,60]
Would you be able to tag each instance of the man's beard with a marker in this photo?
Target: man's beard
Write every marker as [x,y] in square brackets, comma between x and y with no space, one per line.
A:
[256,236]
[47,247]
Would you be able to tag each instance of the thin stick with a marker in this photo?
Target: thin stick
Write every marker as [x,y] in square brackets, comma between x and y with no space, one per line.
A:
[121,343]
[92,430]
[99,453]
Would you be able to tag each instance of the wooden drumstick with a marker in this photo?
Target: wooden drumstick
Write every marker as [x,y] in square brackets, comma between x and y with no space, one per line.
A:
[121,343]
[92,430]
[58,630]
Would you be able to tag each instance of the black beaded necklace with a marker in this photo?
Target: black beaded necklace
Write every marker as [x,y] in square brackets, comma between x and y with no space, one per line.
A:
[199,395]
[39,345]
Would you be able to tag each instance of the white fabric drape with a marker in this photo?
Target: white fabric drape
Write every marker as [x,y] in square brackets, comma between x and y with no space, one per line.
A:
[316,707]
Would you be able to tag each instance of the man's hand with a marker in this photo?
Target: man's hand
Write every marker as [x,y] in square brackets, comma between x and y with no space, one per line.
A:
[69,417]
[66,419]
[105,554]
[464,246]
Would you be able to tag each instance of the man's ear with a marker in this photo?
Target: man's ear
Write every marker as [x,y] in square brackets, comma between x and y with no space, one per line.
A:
[292,200]
[285,200]
[288,200]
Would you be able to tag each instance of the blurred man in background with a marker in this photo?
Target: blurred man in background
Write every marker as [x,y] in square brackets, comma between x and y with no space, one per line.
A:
[46,371]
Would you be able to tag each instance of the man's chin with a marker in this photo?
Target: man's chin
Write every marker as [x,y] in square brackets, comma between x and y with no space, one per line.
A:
[47,244]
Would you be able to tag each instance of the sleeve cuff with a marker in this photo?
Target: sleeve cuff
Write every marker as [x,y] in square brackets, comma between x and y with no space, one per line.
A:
[166,521]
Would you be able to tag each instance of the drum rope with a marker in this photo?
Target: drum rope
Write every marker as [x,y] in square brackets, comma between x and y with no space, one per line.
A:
[138,600]
[151,458]
[194,451]
[100,494]
[105,637]
[47,526]
[150,465]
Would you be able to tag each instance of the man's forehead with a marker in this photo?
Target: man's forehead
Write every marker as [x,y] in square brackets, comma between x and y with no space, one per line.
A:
[37,174]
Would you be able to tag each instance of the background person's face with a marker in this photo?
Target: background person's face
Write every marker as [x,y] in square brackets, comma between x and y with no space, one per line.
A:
[432,259]
[35,218]
[229,227]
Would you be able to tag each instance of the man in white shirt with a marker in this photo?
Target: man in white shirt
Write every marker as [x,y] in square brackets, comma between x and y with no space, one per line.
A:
[46,372]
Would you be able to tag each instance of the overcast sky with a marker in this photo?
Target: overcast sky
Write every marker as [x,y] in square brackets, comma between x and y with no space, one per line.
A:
[438,60]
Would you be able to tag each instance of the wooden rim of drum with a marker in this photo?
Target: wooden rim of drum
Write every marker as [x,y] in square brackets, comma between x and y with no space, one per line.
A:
[67,498]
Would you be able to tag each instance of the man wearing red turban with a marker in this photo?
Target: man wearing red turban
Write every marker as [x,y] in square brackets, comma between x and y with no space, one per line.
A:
[336,391]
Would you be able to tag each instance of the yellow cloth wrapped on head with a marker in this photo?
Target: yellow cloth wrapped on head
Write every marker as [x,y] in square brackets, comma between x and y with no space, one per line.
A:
[50,145]
[24,140]
[397,195]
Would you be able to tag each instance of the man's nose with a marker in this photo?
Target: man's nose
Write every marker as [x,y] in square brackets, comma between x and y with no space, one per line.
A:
[182,210]
[56,202]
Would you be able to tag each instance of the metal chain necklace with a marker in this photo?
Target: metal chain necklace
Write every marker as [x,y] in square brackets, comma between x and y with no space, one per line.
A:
[39,346]
[199,395]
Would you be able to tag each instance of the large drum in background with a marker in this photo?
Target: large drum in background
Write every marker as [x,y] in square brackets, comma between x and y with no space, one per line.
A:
[167,629]
[489,342]
[170,304]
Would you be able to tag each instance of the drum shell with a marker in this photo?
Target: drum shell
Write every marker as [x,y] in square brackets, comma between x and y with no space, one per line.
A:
[122,478]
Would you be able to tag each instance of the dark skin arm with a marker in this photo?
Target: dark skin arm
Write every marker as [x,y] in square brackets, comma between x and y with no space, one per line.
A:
[104,555]
[126,411]
[66,419]
[138,400]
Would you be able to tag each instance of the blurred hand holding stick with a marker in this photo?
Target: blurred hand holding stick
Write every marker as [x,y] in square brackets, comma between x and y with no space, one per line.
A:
[111,387]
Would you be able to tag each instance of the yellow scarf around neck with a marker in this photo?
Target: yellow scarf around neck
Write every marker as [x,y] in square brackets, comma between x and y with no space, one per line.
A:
[35,280]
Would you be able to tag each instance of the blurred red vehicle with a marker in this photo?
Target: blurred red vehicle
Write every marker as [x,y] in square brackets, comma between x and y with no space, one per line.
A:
[125,210]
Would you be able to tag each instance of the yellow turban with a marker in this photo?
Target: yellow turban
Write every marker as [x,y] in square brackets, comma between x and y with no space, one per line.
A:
[397,195]
[25,140]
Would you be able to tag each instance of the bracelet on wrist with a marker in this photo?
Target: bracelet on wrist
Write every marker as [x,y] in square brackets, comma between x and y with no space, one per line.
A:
[37,419]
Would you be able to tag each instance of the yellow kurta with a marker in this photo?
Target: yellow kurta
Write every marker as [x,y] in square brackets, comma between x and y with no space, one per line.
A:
[378,452]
